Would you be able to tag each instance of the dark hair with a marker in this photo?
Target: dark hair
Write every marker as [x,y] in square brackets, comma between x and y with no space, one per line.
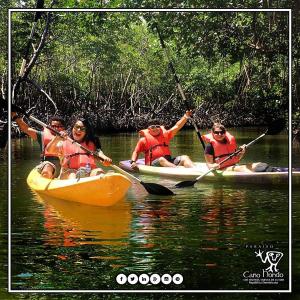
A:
[89,132]
[218,125]
[58,119]
[153,122]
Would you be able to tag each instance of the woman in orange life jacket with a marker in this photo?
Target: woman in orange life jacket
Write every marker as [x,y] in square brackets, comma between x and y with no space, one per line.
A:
[220,144]
[154,143]
[75,162]
[49,166]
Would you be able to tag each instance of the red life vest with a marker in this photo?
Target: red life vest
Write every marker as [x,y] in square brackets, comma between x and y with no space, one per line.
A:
[75,157]
[156,146]
[47,136]
[223,150]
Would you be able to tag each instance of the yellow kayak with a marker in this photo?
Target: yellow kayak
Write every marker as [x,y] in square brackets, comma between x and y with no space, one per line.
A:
[102,190]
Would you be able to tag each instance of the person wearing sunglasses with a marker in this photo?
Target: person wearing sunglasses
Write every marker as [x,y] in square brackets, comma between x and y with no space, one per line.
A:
[220,144]
[154,143]
[49,166]
[75,162]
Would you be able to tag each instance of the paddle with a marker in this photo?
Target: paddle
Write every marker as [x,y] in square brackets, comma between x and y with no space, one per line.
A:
[178,82]
[151,188]
[274,128]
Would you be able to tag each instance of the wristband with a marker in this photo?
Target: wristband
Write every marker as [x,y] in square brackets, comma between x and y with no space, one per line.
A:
[132,161]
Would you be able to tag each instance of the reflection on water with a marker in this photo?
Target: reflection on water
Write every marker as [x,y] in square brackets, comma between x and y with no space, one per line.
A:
[71,224]
[224,211]
[200,232]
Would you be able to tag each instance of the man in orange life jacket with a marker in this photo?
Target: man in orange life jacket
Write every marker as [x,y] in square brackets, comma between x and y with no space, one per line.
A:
[220,144]
[154,143]
[49,166]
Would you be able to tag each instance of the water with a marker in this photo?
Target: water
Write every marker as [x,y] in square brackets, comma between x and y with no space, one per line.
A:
[209,234]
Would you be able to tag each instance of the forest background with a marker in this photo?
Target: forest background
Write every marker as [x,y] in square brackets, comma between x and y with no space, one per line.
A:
[233,66]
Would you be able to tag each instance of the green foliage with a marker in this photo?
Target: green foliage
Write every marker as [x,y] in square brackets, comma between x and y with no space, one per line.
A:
[231,63]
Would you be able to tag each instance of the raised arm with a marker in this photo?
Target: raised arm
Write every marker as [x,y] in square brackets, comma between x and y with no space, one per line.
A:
[180,123]
[23,126]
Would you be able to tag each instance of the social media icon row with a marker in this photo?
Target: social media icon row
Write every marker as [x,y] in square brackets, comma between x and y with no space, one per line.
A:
[149,279]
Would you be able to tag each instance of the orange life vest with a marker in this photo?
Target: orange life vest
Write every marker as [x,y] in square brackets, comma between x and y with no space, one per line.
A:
[75,157]
[223,150]
[156,146]
[47,136]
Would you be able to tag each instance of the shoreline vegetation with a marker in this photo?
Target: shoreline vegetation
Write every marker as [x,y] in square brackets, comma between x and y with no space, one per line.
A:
[233,67]
[137,123]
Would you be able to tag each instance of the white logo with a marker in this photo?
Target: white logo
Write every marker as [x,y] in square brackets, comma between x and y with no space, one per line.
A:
[166,279]
[177,278]
[155,279]
[121,279]
[144,278]
[269,275]
[152,279]
[272,257]
[133,279]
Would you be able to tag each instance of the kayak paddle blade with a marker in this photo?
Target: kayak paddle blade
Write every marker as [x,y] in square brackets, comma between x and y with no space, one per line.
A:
[186,183]
[156,189]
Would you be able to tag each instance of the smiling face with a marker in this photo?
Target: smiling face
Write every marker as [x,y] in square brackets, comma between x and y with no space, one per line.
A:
[154,130]
[218,133]
[78,131]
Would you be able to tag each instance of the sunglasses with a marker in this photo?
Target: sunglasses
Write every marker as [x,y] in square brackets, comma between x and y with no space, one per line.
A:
[154,126]
[219,132]
[81,128]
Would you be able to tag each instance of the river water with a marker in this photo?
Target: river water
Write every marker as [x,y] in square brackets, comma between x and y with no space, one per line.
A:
[209,234]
